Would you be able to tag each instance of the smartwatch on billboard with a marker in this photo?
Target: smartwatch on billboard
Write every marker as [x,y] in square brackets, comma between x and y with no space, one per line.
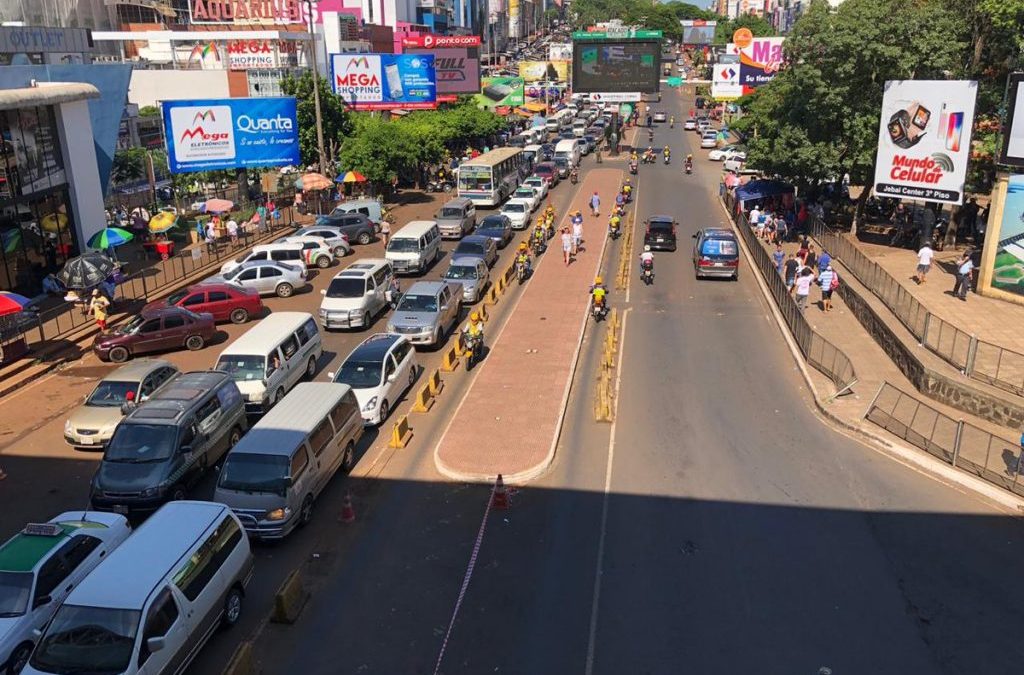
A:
[898,126]
[921,116]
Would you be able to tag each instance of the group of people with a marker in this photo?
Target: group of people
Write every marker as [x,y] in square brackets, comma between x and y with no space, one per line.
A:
[770,227]
[964,267]
[804,269]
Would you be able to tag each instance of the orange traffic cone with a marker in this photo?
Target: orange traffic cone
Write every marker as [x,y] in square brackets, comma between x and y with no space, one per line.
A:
[500,500]
[348,514]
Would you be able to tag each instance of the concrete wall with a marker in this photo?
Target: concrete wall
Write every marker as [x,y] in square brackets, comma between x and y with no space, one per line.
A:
[149,87]
[79,155]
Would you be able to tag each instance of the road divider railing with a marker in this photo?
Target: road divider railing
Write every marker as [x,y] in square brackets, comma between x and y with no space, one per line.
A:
[401,432]
[289,600]
[604,397]
[241,660]
[482,311]
[435,382]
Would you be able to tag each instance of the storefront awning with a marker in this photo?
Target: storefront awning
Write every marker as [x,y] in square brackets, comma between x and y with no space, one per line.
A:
[47,94]
[759,189]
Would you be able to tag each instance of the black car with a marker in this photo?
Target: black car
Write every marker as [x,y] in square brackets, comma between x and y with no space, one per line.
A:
[591,140]
[660,233]
[356,226]
[547,151]
[496,227]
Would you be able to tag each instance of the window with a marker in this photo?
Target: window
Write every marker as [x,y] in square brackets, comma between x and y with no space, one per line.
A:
[381,276]
[321,436]
[389,367]
[172,322]
[269,272]
[194,299]
[299,462]
[78,549]
[308,332]
[289,347]
[208,414]
[248,275]
[202,565]
[401,351]
[51,575]
[162,615]
[347,409]
[151,326]
[262,255]
[219,296]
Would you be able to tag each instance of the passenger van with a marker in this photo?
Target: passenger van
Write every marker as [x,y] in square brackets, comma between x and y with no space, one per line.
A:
[153,603]
[456,218]
[271,357]
[570,150]
[284,252]
[271,479]
[415,247]
[356,294]
[368,207]
[163,447]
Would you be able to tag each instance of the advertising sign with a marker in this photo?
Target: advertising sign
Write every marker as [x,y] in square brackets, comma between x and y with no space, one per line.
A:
[384,81]
[230,133]
[698,32]
[500,91]
[457,69]
[246,54]
[241,11]
[924,139]
[535,71]
[613,66]
[1007,273]
[560,51]
[760,60]
[615,97]
[431,41]
[1012,153]
[725,82]
[624,34]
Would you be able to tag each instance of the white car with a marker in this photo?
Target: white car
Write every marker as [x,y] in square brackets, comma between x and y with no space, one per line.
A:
[735,164]
[538,184]
[379,371]
[40,566]
[529,194]
[316,250]
[709,139]
[690,124]
[518,211]
[659,116]
[726,151]
[333,236]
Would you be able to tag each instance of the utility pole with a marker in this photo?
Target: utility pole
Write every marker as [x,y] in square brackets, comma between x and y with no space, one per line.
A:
[316,92]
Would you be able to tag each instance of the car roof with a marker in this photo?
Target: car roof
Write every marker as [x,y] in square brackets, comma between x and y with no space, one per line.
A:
[249,264]
[496,217]
[276,326]
[288,423]
[426,288]
[137,369]
[719,233]
[156,312]
[465,261]
[475,239]
[662,217]
[23,551]
[362,268]
[374,348]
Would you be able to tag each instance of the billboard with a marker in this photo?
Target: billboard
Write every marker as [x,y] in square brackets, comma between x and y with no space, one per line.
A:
[760,61]
[560,51]
[457,69]
[1012,153]
[230,133]
[610,66]
[698,32]
[384,81]
[535,71]
[500,91]
[924,139]
[725,82]
[265,12]
[1007,235]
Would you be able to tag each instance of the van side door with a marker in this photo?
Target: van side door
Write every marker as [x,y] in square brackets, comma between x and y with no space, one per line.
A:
[327,451]
[213,434]
[292,365]
[348,422]
[164,622]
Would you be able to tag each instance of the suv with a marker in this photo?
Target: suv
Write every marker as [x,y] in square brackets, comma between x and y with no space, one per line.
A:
[716,254]
[334,237]
[356,294]
[226,302]
[380,370]
[163,448]
[427,312]
[91,424]
[156,330]
[456,218]
[291,254]
[40,566]
[660,233]
[356,226]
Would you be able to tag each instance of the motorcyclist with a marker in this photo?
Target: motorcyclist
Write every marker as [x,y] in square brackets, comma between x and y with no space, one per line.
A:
[633,164]
[649,153]
[647,257]
[574,175]
[598,292]
[627,189]
[671,121]
[620,200]
[523,257]
[667,151]
[539,234]
[614,223]
[633,156]
[689,162]
[474,328]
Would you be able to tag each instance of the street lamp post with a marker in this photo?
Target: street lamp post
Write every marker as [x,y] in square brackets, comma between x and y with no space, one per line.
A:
[316,91]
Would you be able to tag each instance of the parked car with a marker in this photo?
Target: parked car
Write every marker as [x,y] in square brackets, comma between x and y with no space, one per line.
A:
[690,124]
[266,278]
[660,116]
[716,254]
[703,124]
[380,370]
[498,227]
[290,253]
[225,301]
[315,250]
[349,218]
[356,294]
[517,211]
[91,424]
[334,237]
[548,171]
[538,184]
[472,273]
[156,330]
[529,194]
[709,139]
[726,151]
[477,246]
[427,312]
[660,233]
[40,566]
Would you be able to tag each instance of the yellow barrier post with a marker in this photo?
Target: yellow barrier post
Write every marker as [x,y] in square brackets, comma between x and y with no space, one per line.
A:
[423,401]
[401,432]
[482,311]
[435,382]
[451,360]
[492,295]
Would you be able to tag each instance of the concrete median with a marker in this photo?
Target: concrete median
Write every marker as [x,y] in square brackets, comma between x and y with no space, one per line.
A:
[435,382]
[423,400]
[451,360]
[241,660]
[401,432]
[291,597]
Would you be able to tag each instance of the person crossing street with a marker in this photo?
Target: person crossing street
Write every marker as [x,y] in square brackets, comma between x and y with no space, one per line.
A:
[595,204]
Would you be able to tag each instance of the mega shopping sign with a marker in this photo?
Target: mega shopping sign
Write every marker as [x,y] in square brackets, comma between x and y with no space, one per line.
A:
[384,81]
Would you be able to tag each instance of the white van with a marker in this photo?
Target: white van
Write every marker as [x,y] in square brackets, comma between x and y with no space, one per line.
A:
[275,473]
[579,128]
[284,252]
[415,247]
[152,604]
[271,357]
[356,294]
[570,150]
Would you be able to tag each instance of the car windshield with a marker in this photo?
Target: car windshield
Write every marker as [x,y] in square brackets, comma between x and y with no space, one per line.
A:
[247,472]
[243,367]
[525,194]
[132,325]
[469,248]
[93,640]
[515,207]
[15,589]
[561,161]
[660,225]
[718,247]
[461,272]
[403,245]
[417,303]
[110,394]
[141,443]
[451,213]
[347,287]
[492,223]
[359,374]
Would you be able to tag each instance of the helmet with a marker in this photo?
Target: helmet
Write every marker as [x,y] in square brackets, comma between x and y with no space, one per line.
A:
[475,316]
[647,249]
[598,280]
[522,246]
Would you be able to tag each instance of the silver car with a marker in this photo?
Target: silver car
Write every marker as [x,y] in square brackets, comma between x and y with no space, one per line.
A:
[472,273]
[427,312]
[267,278]
[336,240]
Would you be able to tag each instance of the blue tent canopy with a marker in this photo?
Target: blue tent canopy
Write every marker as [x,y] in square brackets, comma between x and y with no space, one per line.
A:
[538,121]
[759,189]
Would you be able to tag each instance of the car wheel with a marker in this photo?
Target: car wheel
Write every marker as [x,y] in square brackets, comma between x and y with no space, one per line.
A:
[340,252]
[232,608]
[367,320]
[119,355]
[177,494]
[284,290]
[311,368]
[436,341]
[278,396]
[323,262]
[236,435]
[306,510]
[383,411]
[195,342]
[239,315]
[736,277]
[412,376]
[19,658]
[364,238]
[348,459]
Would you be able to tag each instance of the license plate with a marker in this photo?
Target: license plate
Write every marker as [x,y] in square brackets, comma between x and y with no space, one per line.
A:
[120,508]
[85,440]
[719,264]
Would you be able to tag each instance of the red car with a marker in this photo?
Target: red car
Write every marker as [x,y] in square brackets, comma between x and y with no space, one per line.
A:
[225,301]
[156,330]
[548,171]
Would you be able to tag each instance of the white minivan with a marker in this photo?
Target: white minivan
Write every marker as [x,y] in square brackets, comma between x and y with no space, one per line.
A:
[153,603]
[271,357]
[570,150]
[415,247]
[579,128]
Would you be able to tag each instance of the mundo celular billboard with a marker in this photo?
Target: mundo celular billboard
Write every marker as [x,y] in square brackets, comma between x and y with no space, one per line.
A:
[385,81]
[230,133]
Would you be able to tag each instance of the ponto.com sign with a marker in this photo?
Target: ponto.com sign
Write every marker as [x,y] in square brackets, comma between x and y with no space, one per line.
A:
[203,132]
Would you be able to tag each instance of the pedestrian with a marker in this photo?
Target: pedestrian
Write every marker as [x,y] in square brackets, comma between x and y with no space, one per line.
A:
[566,245]
[779,256]
[792,267]
[595,204]
[211,236]
[233,230]
[99,306]
[781,229]
[803,287]
[924,262]
[755,216]
[385,231]
[829,281]
[218,227]
[824,261]
[812,257]
[577,235]
[964,271]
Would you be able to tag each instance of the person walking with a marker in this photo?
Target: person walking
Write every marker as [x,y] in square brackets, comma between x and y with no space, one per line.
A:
[924,262]
[211,236]
[812,257]
[577,235]
[779,256]
[99,306]
[803,287]
[595,204]
[233,231]
[964,271]
[566,245]
[824,261]
[791,268]
[828,280]
[385,231]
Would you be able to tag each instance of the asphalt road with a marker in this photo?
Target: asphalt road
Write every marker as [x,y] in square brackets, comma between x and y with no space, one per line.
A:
[717,527]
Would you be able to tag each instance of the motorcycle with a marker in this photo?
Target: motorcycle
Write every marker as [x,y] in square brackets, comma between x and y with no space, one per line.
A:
[598,309]
[689,167]
[538,245]
[574,177]
[627,195]
[939,233]
[648,158]
[647,271]
[436,185]
[632,167]
[472,349]
[522,271]
[613,230]
[667,158]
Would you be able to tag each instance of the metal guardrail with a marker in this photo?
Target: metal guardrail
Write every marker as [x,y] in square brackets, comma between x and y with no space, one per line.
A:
[958,443]
[818,351]
[978,359]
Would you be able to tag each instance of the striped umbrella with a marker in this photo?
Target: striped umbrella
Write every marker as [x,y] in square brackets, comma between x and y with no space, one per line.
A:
[313,181]
[350,177]
[110,237]
[12,303]
[10,240]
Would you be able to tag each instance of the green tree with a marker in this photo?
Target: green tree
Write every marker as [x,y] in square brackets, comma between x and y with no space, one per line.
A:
[757,25]
[335,117]
[149,111]
[128,166]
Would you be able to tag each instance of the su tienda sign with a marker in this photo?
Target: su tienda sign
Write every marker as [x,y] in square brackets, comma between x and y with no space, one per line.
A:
[259,11]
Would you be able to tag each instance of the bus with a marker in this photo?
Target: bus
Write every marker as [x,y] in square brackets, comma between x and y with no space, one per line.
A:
[491,177]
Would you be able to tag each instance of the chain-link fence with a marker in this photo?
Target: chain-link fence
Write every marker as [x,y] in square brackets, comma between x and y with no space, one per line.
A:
[956,442]
[976,358]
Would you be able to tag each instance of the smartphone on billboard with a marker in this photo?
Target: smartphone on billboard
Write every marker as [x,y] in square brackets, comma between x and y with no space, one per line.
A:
[956,126]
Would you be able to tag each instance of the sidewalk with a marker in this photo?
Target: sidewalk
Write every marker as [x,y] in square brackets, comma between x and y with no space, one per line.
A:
[511,416]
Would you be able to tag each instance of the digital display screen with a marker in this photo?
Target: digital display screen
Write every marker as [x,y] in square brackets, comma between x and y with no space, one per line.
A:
[616,66]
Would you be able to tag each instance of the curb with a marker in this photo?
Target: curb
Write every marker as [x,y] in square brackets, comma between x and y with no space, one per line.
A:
[906,455]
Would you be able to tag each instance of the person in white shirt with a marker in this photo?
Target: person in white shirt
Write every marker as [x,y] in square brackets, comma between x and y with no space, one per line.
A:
[803,287]
[233,231]
[924,262]
[755,216]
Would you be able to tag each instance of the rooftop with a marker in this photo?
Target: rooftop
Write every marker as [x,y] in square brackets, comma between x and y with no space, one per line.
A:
[47,94]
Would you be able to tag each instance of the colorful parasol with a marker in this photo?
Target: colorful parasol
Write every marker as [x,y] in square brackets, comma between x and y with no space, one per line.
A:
[313,181]
[217,206]
[12,303]
[110,237]
[53,222]
[10,240]
[162,222]
[350,177]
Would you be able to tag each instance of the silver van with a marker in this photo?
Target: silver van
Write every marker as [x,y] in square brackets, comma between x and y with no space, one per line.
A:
[356,294]
[370,208]
[456,218]
[153,603]
[271,479]
[415,247]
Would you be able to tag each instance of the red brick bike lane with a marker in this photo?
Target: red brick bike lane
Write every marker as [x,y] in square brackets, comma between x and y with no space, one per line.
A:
[509,420]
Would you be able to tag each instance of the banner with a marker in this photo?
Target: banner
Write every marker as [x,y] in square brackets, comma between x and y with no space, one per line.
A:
[500,91]
[616,66]
[431,41]
[1012,153]
[457,69]
[760,61]
[384,81]
[698,32]
[924,139]
[230,133]
[560,51]
[615,97]
[725,82]
[247,54]
[535,71]
[277,12]
[1007,272]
